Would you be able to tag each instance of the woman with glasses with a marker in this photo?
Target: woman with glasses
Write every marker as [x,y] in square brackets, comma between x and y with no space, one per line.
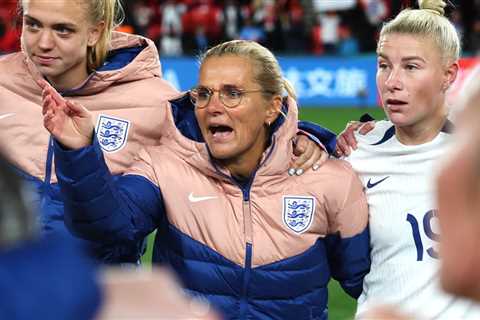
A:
[116,76]
[237,229]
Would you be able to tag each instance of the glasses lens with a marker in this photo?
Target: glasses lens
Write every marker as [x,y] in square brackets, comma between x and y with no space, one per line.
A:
[200,96]
[230,96]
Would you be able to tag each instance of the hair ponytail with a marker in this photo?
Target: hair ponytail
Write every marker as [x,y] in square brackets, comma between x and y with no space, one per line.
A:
[112,14]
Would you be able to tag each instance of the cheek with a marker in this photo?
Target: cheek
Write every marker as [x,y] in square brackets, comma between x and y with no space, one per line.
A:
[26,41]
[200,115]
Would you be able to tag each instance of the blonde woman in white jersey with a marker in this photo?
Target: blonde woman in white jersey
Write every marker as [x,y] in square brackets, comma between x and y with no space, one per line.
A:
[418,54]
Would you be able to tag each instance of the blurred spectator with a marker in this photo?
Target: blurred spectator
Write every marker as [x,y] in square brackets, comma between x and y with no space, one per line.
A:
[457,21]
[142,15]
[348,44]
[316,39]
[171,29]
[294,27]
[475,37]
[201,38]
[9,35]
[290,26]
[375,10]
[170,45]
[231,20]
[252,32]
[330,32]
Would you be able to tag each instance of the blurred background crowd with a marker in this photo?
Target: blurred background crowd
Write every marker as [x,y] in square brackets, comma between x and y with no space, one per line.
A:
[294,27]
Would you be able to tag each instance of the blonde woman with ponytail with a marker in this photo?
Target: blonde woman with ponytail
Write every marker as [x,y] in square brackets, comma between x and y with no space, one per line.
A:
[238,230]
[72,45]
[418,54]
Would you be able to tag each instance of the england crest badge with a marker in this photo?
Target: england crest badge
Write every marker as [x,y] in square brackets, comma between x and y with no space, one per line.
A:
[298,212]
[112,132]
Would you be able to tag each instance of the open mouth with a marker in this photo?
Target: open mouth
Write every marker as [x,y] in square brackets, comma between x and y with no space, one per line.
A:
[220,131]
[395,102]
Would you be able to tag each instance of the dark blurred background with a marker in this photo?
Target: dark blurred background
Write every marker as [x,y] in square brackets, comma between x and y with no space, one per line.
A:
[292,27]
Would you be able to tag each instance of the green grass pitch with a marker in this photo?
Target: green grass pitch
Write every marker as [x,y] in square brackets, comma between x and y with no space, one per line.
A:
[341,306]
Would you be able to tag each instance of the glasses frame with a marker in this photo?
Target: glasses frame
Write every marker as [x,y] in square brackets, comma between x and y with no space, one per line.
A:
[211,92]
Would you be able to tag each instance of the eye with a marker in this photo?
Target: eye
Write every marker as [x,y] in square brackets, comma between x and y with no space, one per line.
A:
[202,93]
[32,25]
[411,67]
[382,65]
[232,93]
[64,31]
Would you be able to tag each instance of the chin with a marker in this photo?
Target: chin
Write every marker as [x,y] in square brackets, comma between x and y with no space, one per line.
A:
[221,153]
[399,120]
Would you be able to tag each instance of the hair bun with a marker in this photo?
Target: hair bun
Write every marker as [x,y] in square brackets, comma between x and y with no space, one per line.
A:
[434,6]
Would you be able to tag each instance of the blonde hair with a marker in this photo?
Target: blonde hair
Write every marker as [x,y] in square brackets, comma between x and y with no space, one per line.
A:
[111,13]
[428,21]
[267,72]
[108,11]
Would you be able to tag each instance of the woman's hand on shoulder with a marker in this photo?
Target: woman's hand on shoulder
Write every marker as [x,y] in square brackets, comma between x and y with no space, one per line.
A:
[346,141]
[306,154]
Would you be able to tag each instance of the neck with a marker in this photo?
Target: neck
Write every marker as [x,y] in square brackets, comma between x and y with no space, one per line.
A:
[62,85]
[243,166]
[423,131]
[71,79]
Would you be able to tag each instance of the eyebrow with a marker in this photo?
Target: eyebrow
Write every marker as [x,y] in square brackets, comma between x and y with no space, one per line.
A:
[408,58]
[66,25]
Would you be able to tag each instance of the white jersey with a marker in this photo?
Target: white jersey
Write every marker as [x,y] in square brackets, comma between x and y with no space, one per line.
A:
[399,184]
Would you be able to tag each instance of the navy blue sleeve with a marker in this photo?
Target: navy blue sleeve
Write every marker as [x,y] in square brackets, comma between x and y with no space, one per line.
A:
[48,279]
[349,260]
[100,207]
[325,136]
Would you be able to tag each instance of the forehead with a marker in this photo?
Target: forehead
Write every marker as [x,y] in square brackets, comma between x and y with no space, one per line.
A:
[56,11]
[399,45]
[226,70]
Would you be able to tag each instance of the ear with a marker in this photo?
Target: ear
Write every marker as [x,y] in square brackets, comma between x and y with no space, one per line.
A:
[273,110]
[450,75]
[94,33]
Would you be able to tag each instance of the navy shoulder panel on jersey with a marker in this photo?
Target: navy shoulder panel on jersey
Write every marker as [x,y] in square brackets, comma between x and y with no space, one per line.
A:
[448,127]
[388,134]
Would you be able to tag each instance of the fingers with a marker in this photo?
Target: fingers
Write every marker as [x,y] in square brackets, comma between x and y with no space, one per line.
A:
[300,145]
[77,109]
[56,96]
[43,83]
[48,90]
[346,141]
[367,127]
[307,153]
[311,162]
[342,149]
[321,161]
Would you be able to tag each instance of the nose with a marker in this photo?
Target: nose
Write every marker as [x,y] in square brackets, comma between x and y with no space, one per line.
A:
[393,80]
[46,41]
[215,105]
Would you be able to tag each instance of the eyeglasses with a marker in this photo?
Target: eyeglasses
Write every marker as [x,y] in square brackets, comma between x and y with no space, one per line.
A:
[230,96]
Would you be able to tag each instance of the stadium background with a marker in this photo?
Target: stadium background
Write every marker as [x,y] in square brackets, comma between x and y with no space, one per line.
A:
[325,48]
